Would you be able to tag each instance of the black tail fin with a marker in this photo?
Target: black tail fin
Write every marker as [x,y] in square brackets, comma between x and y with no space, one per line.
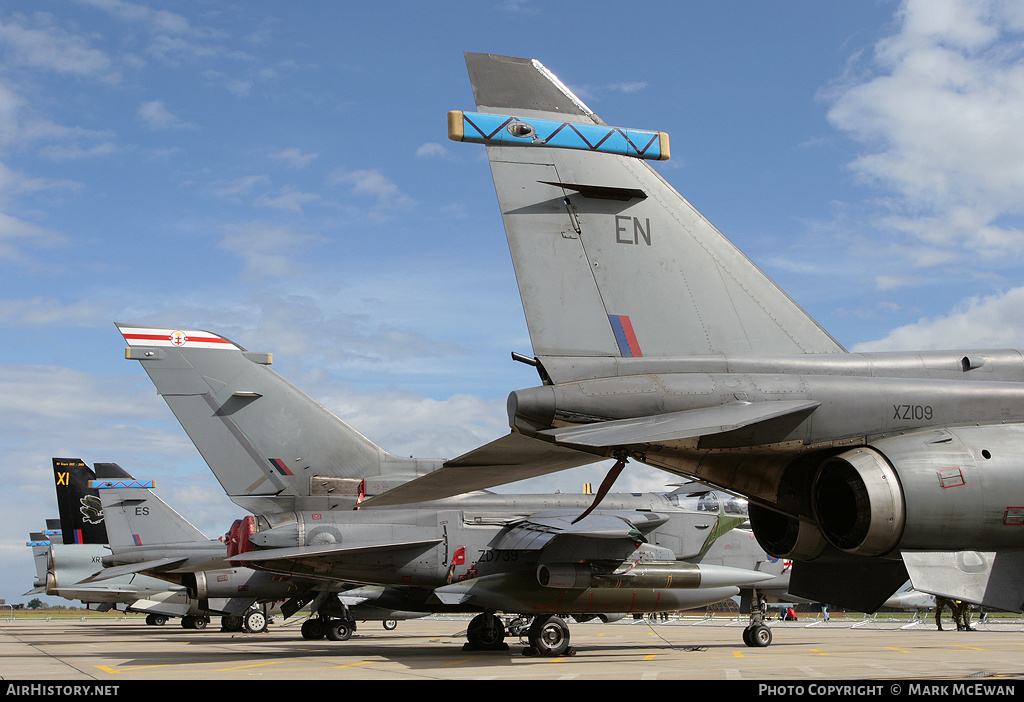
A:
[81,514]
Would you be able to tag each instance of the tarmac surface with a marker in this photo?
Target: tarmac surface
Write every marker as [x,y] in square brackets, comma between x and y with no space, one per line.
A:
[107,651]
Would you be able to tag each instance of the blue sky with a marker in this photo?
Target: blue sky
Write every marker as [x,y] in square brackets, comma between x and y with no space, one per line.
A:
[280,173]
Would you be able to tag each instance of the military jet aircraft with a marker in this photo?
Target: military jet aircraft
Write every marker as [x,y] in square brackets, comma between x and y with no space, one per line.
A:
[304,474]
[147,536]
[657,340]
[73,547]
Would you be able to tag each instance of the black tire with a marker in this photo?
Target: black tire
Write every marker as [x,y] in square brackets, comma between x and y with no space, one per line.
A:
[313,629]
[389,624]
[199,623]
[549,636]
[156,619]
[486,632]
[760,636]
[340,629]
[231,622]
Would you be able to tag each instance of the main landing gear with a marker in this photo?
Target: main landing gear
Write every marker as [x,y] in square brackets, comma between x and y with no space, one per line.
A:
[547,635]
[335,629]
[322,626]
[757,634]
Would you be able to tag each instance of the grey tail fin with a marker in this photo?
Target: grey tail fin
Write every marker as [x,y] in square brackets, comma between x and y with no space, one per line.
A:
[137,517]
[81,514]
[261,436]
[610,259]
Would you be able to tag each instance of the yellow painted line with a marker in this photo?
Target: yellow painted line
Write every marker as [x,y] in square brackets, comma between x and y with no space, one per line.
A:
[650,657]
[820,653]
[971,648]
[352,665]
[901,650]
[464,660]
[242,667]
[119,671]
[737,654]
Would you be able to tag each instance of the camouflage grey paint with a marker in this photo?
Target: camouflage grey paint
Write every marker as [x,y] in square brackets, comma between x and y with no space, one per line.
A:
[656,338]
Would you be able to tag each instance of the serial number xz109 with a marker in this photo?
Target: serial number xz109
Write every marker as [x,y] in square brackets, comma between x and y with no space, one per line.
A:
[912,412]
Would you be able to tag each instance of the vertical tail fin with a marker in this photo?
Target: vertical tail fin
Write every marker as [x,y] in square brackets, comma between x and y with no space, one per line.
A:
[261,436]
[137,517]
[81,514]
[610,259]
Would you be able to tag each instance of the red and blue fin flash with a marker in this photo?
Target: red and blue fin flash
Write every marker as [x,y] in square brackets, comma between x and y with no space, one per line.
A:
[625,336]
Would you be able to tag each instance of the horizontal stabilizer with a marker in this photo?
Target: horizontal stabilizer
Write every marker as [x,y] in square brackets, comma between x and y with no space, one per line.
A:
[675,426]
[132,568]
[329,551]
[993,579]
[506,460]
[503,130]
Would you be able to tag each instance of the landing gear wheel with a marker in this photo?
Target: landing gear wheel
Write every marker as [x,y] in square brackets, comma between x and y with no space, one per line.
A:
[231,622]
[549,636]
[156,619]
[200,623]
[486,632]
[255,621]
[757,636]
[340,629]
[313,629]
[390,624]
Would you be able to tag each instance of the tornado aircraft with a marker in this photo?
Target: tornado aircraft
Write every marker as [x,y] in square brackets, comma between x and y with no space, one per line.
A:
[307,477]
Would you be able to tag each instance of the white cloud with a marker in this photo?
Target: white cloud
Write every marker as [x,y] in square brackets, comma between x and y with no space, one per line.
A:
[240,186]
[288,199]
[40,311]
[375,184]
[267,250]
[52,49]
[995,321]
[157,116]
[432,150]
[941,118]
[157,21]
[16,234]
[296,158]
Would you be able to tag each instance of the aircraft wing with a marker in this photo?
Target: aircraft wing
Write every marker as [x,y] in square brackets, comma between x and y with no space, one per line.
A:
[329,551]
[506,460]
[518,457]
[169,563]
[674,426]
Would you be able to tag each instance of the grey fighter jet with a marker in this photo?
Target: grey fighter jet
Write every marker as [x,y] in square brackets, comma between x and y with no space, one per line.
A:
[148,536]
[657,340]
[305,475]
